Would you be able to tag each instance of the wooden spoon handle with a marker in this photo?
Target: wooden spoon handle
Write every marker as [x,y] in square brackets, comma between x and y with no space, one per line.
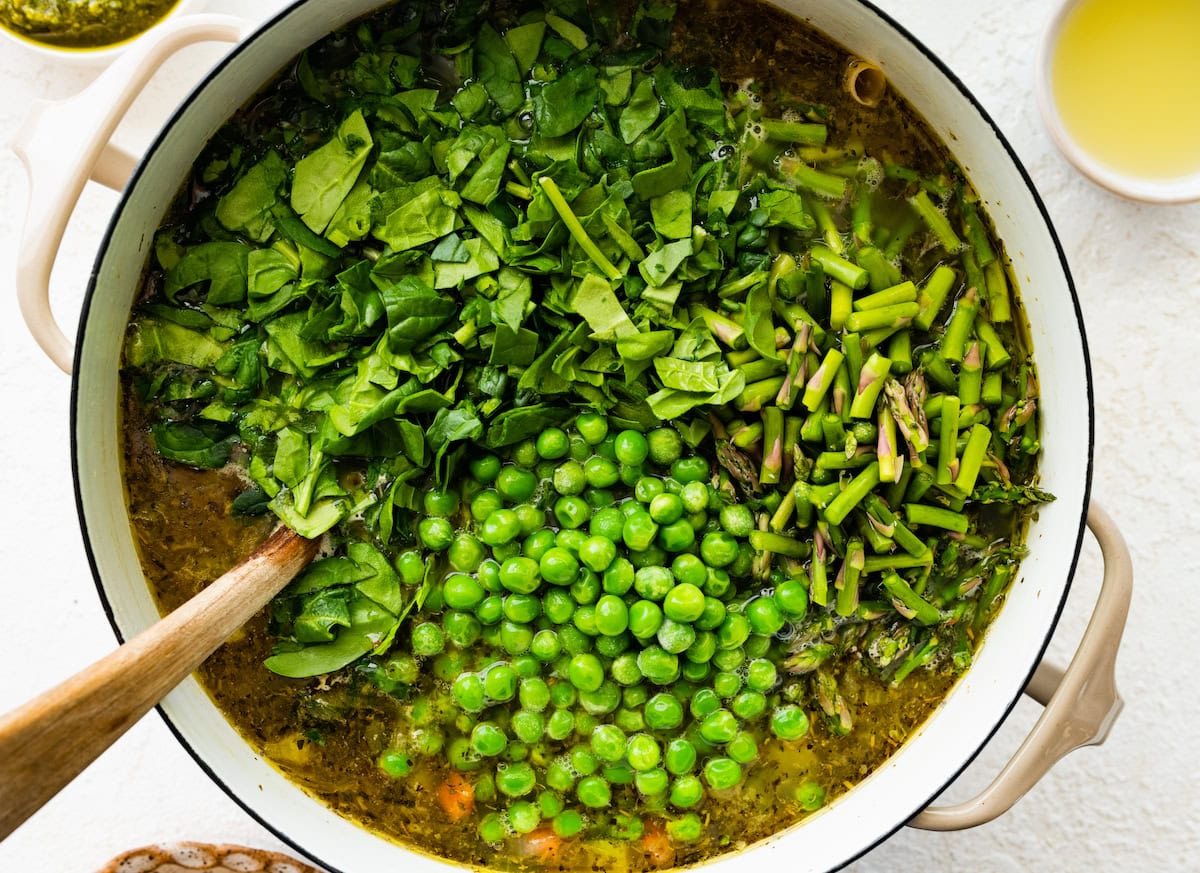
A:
[47,742]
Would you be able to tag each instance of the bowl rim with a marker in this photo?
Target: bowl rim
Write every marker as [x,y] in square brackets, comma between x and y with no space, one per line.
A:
[101,55]
[1183,189]
[296,842]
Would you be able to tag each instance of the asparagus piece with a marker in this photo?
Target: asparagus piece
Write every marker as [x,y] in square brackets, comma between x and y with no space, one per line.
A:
[835,433]
[778,544]
[894,246]
[908,603]
[997,354]
[811,179]
[818,585]
[877,509]
[742,356]
[814,289]
[840,396]
[947,462]
[918,657]
[726,330]
[970,376]
[997,288]
[794,377]
[905,292]
[890,463]
[933,296]
[992,389]
[772,462]
[801,132]
[936,221]
[820,382]
[861,219]
[852,495]
[899,350]
[837,267]
[576,230]
[848,579]
[935,516]
[762,368]
[870,384]
[739,286]
[882,273]
[877,563]
[977,234]
[783,265]
[907,407]
[972,458]
[996,584]
[841,302]
[894,316]
[959,328]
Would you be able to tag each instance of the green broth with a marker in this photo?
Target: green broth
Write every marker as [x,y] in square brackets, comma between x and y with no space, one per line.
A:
[865,661]
[78,24]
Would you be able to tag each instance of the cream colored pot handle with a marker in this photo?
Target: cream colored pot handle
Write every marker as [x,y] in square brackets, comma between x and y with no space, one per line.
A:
[64,143]
[1081,702]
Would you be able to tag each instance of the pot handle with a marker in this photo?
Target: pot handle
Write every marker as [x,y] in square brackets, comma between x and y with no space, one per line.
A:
[66,142]
[1082,702]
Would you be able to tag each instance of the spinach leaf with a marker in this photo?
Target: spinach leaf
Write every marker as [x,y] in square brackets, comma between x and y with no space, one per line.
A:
[151,341]
[759,326]
[320,614]
[595,301]
[369,622]
[497,70]
[414,312]
[324,178]
[247,206]
[197,445]
[221,264]
[641,112]
[522,423]
[562,105]
[428,216]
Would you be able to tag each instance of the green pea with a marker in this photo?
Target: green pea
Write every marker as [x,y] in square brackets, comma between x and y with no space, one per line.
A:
[597,553]
[737,520]
[584,619]
[526,666]
[689,569]
[567,823]
[558,566]
[810,796]
[500,682]
[504,551]
[515,780]
[515,485]
[545,645]
[600,472]
[686,792]
[467,691]
[718,549]
[635,695]
[523,816]
[465,553]
[608,523]
[664,445]
[612,646]
[461,591]
[570,539]
[719,726]
[447,665]
[653,583]
[488,575]
[608,742]
[658,665]
[569,478]
[675,637]
[515,638]
[572,512]
[560,725]
[703,647]
[603,700]
[624,669]
[666,508]
[427,639]
[558,605]
[761,675]
[574,641]
[583,759]
[789,722]
[792,598]
[592,427]
[492,829]
[695,497]
[722,773]
[728,659]
[531,518]
[502,526]
[520,575]
[712,616]
[549,803]
[395,763]
[639,531]
[749,705]
[726,684]
[485,468]
[594,792]
[743,748]
[694,671]
[686,829]
[663,712]
[612,615]
[684,603]
[545,471]
[411,567]
[704,703]
[552,444]
[461,756]
[436,533]
[678,536]
[618,577]
[651,782]
[441,503]
[563,694]
[734,631]
[488,740]
[629,720]
[645,618]
[586,588]
[718,583]
[631,448]
[586,672]
[461,628]
[528,726]
[522,608]
[764,616]
[486,502]
[647,488]
[687,470]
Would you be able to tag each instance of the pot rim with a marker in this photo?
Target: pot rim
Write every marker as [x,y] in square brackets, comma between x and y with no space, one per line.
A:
[296,843]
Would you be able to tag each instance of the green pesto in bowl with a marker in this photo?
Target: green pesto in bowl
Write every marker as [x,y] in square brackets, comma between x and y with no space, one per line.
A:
[82,24]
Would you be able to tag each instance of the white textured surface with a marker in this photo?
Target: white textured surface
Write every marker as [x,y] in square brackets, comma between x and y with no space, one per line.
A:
[1132,804]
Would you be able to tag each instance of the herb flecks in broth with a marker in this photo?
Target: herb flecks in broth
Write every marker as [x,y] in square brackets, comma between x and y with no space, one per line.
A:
[662,405]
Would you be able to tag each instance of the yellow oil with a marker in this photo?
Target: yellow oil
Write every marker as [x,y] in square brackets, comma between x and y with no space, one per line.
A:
[1126,75]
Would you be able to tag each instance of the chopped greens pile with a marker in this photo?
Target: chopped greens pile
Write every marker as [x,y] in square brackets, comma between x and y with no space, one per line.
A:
[447,238]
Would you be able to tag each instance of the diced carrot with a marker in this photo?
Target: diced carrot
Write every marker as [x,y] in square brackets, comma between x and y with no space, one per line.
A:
[542,843]
[457,796]
[657,845]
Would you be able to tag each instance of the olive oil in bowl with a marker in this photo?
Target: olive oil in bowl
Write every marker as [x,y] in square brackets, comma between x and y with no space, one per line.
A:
[1123,79]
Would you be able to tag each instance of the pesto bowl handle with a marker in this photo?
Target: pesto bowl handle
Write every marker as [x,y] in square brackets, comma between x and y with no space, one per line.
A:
[1081,702]
[64,143]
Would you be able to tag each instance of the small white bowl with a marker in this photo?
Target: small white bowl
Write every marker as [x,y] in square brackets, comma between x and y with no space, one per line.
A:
[97,57]
[1185,189]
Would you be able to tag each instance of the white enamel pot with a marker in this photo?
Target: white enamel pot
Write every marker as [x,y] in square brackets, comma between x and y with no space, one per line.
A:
[65,144]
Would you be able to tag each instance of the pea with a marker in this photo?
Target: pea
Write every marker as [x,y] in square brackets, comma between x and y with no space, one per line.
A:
[624,669]
[558,605]
[545,645]
[663,712]
[603,700]
[666,508]
[664,445]
[545,470]
[651,782]
[687,470]
[718,549]
[614,645]
[492,828]
[461,591]
[574,641]
[563,694]
[737,520]
[586,588]
[618,577]
[749,705]
[515,485]
[718,583]
[631,448]
[585,672]
[500,682]
[678,536]
[570,540]
[549,804]
[789,722]
[485,468]
[402,668]
[447,665]
[488,575]
[608,742]
[504,551]
[653,583]
[569,478]
[488,740]
[722,773]
[695,497]
[647,488]
[792,598]
[684,603]
[515,780]
[440,503]
[427,639]
[636,695]
[652,556]
[582,758]
[645,618]
[461,628]
[486,502]
[742,748]
[764,616]
[466,553]
[515,638]
[761,675]
[630,475]
[695,671]
[639,531]
[572,512]
[658,665]
[527,726]
[810,796]
[461,756]
[584,619]
[467,691]
[728,659]
[734,631]
[523,816]
[592,427]
[686,829]
[608,522]
[411,567]
[395,763]
[726,684]
[436,533]
[612,615]
[522,608]
[675,637]
[597,553]
[712,616]
[600,472]
[552,444]
[687,568]
[520,575]
[560,725]
[686,791]
[558,566]
[567,823]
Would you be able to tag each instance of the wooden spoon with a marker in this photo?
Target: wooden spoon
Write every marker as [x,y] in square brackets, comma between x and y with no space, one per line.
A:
[50,740]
